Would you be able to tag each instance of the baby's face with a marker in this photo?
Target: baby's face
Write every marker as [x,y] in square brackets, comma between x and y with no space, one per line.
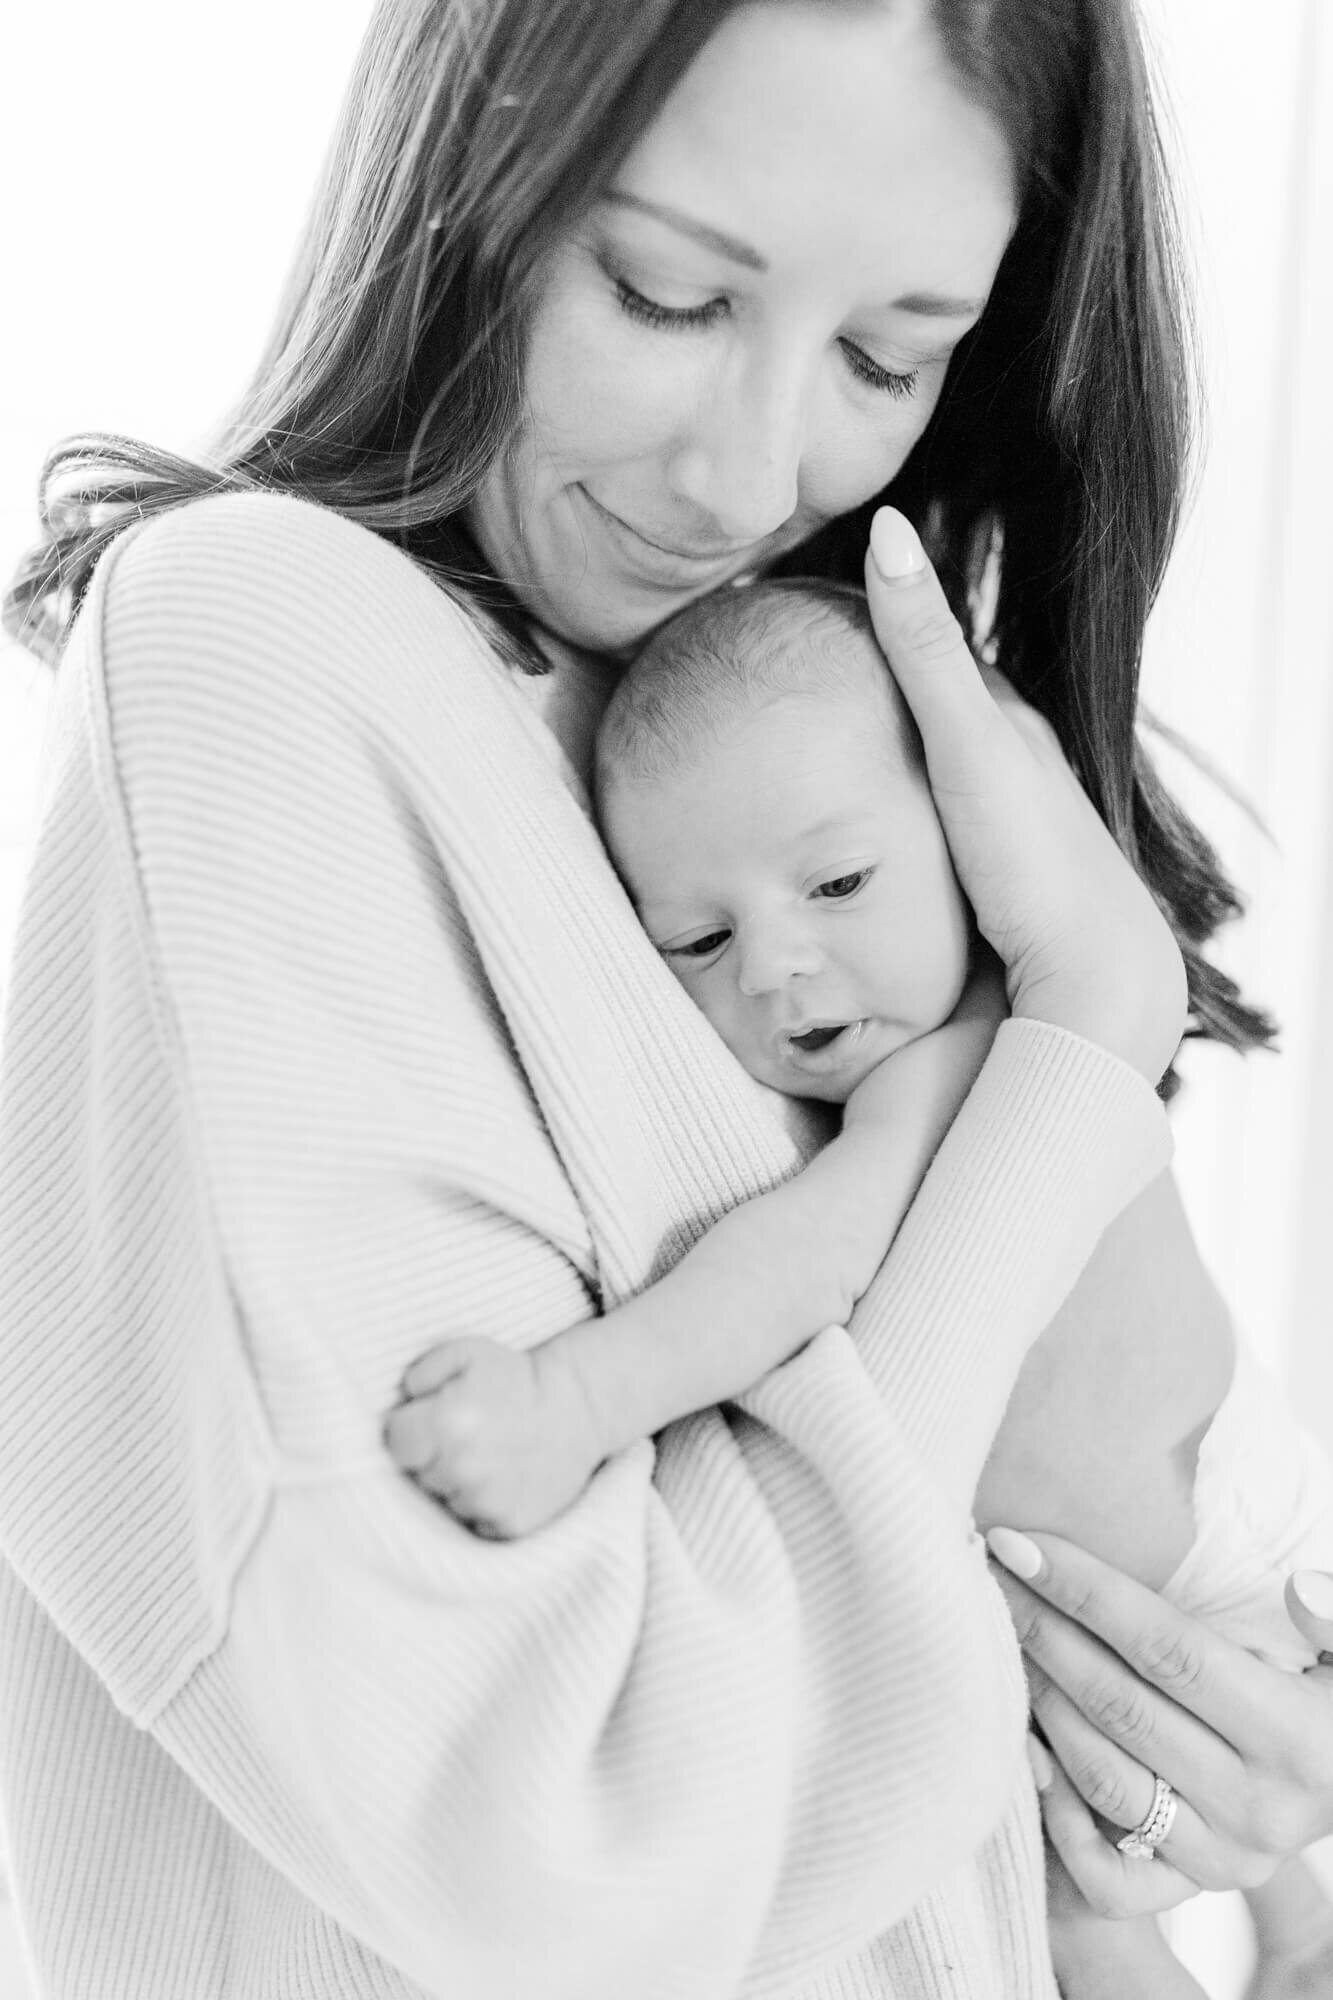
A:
[794,876]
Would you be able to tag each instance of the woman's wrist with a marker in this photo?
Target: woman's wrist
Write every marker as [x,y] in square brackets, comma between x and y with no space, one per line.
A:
[1136,1011]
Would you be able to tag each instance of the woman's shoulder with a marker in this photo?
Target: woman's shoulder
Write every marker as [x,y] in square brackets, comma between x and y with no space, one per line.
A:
[266,545]
[269,600]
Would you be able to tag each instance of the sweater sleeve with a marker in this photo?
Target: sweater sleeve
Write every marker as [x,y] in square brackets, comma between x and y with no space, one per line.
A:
[265,1139]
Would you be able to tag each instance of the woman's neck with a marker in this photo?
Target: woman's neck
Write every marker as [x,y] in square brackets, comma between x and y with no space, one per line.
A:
[572,697]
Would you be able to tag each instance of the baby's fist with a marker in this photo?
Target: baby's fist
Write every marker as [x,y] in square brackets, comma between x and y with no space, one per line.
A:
[481,1429]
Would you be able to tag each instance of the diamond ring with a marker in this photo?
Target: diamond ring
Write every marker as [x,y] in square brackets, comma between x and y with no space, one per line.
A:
[1142,1841]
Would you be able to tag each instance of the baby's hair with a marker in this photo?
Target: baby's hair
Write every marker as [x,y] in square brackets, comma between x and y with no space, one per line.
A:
[737,649]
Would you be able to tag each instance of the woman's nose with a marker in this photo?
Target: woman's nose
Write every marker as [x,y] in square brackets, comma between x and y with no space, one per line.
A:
[741,461]
[768,958]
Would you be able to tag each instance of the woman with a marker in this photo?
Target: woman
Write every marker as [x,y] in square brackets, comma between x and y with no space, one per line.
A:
[332,1034]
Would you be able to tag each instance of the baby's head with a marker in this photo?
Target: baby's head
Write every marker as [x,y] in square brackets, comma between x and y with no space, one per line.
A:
[761,788]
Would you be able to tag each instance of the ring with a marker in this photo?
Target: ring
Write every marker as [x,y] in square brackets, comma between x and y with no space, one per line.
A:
[1142,1841]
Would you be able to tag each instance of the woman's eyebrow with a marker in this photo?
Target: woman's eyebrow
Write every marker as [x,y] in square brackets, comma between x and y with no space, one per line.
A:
[925,305]
[934,305]
[702,232]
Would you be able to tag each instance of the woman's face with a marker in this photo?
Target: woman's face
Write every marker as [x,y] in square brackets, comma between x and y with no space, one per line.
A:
[747,336]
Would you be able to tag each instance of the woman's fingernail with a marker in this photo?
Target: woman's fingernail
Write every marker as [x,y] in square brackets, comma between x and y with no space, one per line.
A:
[1040,1759]
[895,546]
[1015,1551]
[1314,1587]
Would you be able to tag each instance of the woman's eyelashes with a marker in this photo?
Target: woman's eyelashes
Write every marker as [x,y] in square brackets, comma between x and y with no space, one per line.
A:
[636,305]
[868,370]
[649,313]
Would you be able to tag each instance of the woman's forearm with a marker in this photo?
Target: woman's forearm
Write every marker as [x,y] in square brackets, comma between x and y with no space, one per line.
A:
[1100,1436]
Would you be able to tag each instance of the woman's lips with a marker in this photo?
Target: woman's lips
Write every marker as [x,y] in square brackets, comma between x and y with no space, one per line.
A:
[657,562]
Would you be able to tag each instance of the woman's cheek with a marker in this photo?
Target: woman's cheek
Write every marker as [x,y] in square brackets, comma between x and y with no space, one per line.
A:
[654,384]
[859,448]
[871,449]
[851,467]
[604,393]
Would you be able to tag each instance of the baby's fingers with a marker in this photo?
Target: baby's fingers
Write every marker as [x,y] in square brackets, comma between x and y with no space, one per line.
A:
[414,1430]
[410,1436]
[438,1365]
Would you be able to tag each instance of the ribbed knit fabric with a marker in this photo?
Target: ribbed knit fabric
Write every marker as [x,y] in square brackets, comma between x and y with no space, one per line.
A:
[331,1033]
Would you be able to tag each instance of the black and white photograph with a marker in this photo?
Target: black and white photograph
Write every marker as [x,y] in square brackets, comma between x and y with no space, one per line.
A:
[666,918]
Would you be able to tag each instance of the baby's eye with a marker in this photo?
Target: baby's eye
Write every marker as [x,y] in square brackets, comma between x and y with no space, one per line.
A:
[700,947]
[840,887]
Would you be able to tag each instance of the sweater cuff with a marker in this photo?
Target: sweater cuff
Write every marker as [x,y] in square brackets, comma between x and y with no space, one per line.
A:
[1056,1138]
[1044,1085]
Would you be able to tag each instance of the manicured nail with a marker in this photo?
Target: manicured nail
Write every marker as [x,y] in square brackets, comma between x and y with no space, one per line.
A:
[895,546]
[1314,1587]
[1043,1771]
[1015,1551]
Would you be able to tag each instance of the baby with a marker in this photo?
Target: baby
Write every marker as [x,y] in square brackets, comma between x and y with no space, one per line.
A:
[774,824]
[761,789]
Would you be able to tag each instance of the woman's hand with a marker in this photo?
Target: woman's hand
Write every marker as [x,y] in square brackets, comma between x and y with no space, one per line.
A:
[1126,1688]
[1083,943]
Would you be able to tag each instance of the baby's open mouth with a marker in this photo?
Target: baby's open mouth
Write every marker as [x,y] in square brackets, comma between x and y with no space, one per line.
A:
[818,1038]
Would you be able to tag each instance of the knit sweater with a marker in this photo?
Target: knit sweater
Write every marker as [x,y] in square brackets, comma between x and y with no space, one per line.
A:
[331,1033]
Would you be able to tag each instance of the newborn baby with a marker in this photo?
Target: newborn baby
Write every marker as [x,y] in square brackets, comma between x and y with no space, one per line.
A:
[760,787]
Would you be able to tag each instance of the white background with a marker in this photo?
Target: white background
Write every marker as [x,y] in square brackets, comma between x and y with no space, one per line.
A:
[154,165]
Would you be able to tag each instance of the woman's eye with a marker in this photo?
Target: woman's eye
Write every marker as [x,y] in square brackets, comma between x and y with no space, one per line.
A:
[842,886]
[700,947]
[877,377]
[649,313]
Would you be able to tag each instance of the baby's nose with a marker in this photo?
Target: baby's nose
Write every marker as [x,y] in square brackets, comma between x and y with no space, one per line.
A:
[767,960]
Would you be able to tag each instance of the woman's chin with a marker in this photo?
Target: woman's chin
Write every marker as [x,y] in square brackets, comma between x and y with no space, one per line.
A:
[617,627]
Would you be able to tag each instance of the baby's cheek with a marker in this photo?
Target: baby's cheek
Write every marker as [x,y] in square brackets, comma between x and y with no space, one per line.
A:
[728,1016]
[942,950]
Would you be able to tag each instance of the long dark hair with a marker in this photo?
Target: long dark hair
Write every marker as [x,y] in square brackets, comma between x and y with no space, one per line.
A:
[471,139]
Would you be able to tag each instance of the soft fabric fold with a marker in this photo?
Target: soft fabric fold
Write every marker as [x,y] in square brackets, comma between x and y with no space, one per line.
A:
[332,1033]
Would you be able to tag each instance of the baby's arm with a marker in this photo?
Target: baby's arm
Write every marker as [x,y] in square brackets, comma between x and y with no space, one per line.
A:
[509,1438]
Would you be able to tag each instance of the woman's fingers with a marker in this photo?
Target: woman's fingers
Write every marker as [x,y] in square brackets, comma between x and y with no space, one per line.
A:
[1119,1791]
[1149,1646]
[1248,1746]
[1309,1599]
[957,714]
[1083,943]
[956,699]
[1113,1884]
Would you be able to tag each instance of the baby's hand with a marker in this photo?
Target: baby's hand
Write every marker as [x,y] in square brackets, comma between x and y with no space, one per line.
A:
[505,1439]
